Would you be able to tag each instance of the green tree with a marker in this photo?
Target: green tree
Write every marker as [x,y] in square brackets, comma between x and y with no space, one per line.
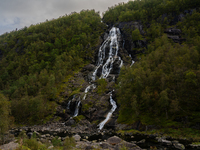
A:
[4,115]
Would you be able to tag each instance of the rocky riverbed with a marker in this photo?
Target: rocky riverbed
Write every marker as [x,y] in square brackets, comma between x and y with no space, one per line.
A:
[91,138]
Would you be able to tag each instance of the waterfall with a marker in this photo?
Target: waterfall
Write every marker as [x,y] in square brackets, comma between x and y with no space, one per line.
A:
[87,89]
[112,42]
[121,64]
[77,108]
[106,62]
[114,106]
[123,44]
[132,61]
[68,105]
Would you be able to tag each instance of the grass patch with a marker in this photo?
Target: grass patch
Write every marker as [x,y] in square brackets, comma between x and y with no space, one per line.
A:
[79,118]
[87,106]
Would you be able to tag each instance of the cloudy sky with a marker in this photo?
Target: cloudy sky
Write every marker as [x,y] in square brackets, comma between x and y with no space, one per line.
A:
[19,13]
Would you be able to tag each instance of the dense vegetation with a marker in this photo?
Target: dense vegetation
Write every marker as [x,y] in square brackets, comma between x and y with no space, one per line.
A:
[163,87]
[146,10]
[35,60]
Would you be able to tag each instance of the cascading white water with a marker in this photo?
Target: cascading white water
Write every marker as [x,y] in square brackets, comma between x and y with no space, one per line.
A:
[132,61]
[77,109]
[87,89]
[113,39]
[112,42]
[68,105]
[114,106]
[121,64]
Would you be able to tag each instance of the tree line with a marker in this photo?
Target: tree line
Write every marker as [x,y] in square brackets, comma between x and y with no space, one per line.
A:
[36,60]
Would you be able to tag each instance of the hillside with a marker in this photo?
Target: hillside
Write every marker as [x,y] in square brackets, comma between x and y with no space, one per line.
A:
[137,68]
[35,60]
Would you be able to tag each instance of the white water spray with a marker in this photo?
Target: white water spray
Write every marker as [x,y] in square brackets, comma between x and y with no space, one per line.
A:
[114,106]
[77,108]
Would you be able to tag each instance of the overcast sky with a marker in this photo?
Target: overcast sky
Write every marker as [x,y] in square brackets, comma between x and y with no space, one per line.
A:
[19,13]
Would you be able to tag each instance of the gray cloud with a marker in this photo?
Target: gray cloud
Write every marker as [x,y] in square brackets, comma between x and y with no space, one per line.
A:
[19,13]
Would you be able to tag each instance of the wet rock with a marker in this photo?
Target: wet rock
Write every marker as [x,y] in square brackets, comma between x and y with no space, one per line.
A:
[141,142]
[163,140]
[178,145]
[116,66]
[128,43]
[114,140]
[111,78]
[70,122]
[173,31]
[89,67]
[196,146]
[105,36]
[29,134]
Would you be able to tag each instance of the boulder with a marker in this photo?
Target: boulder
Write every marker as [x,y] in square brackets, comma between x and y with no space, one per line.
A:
[105,145]
[163,140]
[70,122]
[114,140]
[77,137]
[10,146]
[178,145]
[128,145]
[141,141]
[89,67]
[173,31]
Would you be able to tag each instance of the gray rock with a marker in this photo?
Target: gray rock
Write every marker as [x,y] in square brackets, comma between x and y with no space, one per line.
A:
[77,137]
[105,145]
[43,136]
[163,140]
[105,36]
[196,146]
[114,140]
[89,67]
[70,122]
[50,147]
[128,145]
[178,145]
[142,141]
[10,146]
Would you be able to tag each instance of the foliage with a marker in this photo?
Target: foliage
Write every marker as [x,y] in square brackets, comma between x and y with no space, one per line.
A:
[162,86]
[38,58]
[136,35]
[146,10]
[29,144]
[102,83]
[69,143]
[79,118]
[56,142]
[4,115]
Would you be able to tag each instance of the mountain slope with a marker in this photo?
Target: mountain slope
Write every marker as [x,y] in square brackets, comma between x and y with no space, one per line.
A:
[35,60]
